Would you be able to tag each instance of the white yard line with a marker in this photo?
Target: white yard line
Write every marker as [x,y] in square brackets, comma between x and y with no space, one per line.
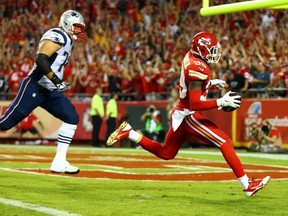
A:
[38,208]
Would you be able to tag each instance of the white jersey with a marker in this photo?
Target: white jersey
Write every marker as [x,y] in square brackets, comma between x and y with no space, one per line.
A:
[58,60]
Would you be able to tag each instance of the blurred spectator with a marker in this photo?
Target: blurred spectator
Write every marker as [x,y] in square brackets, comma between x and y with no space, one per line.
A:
[33,125]
[252,134]
[145,31]
[267,138]
[278,78]
[172,101]
[261,80]
[236,82]
[14,80]
[153,124]
[270,135]
[3,84]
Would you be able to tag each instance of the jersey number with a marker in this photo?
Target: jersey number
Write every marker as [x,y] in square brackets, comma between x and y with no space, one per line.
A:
[64,62]
[183,87]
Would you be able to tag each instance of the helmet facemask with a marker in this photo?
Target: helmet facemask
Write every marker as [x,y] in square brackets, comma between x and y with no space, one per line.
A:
[78,32]
[214,54]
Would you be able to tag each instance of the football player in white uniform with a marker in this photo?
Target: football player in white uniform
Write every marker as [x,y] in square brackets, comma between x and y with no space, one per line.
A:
[44,86]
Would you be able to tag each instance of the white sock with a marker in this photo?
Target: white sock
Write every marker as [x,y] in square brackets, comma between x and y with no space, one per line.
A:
[65,135]
[244,181]
[134,136]
[61,151]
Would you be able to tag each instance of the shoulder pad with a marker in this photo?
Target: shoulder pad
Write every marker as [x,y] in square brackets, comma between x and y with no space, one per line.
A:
[200,65]
[198,70]
[56,35]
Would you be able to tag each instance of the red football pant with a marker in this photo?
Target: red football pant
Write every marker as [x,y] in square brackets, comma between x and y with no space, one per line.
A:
[196,125]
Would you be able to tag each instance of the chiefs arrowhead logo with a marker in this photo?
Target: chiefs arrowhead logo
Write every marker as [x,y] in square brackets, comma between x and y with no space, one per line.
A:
[204,42]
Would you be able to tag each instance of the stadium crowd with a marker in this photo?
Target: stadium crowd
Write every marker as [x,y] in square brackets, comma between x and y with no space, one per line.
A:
[135,47]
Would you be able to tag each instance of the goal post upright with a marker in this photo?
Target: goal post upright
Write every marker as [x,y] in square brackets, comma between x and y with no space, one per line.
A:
[207,10]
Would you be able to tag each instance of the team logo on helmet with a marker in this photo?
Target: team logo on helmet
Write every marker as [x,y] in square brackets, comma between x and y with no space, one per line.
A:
[204,42]
[74,14]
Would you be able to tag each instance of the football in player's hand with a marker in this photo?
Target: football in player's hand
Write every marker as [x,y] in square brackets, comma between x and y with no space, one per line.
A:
[229,108]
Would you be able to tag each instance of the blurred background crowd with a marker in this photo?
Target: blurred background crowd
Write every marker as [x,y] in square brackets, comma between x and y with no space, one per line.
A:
[135,47]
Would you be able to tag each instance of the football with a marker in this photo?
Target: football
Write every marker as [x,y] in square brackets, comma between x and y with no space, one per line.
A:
[228,108]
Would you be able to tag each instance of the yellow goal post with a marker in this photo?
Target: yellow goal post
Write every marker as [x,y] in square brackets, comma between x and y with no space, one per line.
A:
[207,10]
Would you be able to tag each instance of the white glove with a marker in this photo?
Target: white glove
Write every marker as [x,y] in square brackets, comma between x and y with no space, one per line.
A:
[218,83]
[62,87]
[227,100]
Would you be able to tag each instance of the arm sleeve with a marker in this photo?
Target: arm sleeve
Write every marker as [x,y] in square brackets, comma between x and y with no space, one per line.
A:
[197,104]
[42,61]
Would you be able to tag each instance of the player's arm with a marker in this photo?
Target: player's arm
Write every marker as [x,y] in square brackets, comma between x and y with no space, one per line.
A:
[196,102]
[195,93]
[271,139]
[47,49]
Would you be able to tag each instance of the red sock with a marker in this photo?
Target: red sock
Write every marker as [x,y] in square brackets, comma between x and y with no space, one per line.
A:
[232,159]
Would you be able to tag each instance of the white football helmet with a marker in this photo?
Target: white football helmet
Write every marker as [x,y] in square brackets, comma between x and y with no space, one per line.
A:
[72,22]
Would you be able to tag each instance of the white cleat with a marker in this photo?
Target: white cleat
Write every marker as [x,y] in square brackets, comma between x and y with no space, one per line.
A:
[64,168]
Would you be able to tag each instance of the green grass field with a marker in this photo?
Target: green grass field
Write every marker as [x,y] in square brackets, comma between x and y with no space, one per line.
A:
[28,193]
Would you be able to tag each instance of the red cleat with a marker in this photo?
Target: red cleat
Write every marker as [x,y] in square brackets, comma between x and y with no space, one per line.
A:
[255,185]
[121,133]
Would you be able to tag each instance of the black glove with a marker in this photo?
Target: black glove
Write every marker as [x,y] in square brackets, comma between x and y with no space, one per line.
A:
[60,84]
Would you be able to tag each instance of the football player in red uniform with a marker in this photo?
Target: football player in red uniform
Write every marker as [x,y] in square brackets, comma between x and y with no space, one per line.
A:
[187,118]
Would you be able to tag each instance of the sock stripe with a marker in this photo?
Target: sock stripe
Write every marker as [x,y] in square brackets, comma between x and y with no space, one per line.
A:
[64,139]
[139,138]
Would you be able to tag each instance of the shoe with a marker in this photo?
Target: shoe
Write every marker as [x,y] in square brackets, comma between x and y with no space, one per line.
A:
[121,133]
[64,168]
[255,185]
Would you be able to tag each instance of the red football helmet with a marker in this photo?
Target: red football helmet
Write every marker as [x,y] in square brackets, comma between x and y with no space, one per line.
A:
[206,46]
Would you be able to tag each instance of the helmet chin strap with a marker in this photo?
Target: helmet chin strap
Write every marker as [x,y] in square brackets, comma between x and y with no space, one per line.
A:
[196,53]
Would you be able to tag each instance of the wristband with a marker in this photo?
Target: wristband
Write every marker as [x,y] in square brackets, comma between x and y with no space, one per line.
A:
[55,79]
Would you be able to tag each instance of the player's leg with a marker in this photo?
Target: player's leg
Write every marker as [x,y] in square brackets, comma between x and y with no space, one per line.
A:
[206,130]
[96,123]
[26,100]
[111,126]
[167,150]
[61,107]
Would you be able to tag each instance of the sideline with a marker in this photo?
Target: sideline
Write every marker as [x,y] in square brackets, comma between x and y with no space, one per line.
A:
[38,208]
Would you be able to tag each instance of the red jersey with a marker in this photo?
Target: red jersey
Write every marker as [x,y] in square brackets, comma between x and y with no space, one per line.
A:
[14,80]
[192,69]
[92,85]
[274,132]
